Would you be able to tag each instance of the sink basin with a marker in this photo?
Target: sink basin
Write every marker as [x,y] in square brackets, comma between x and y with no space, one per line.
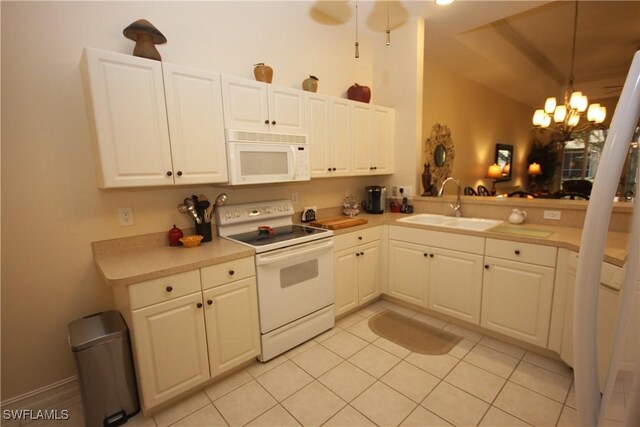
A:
[478,224]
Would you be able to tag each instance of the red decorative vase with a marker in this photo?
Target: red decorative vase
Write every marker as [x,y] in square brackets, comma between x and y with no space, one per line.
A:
[174,236]
[359,93]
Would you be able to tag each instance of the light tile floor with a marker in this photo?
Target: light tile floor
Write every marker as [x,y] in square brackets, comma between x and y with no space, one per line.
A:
[349,376]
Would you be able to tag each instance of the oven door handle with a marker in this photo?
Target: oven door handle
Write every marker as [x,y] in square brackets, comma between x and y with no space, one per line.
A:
[291,252]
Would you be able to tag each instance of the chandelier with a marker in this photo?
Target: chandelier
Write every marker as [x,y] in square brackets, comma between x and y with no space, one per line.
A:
[566,117]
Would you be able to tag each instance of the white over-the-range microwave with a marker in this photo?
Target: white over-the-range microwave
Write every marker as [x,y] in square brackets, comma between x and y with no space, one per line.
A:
[261,157]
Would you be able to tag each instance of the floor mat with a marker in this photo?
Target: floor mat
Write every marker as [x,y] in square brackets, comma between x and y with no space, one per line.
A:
[412,334]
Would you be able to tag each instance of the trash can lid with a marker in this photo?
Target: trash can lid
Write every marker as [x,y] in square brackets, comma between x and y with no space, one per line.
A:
[96,329]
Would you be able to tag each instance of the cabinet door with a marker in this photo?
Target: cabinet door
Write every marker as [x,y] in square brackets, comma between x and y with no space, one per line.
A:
[341,137]
[408,272]
[126,105]
[286,110]
[369,272]
[345,264]
[455,284]
[196,125]
[516,299]
[170,348]
[383,139]
[361,124]
[245,104]
[233,332]
[318,133]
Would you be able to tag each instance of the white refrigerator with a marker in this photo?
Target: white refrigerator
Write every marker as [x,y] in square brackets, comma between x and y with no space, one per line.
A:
[593,406]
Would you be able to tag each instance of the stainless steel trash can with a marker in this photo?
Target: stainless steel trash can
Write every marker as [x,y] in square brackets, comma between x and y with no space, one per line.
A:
[102,355]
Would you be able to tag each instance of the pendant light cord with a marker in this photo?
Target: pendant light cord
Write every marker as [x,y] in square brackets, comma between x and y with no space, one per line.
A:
[573,49]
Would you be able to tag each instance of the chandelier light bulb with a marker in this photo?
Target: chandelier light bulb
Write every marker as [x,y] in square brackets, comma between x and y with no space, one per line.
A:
[602,114]
[538,117]
[583,102]
[575,100]
[546,121]
[444,2]
[593,112]
[560,113]
[574,118]
[550,105]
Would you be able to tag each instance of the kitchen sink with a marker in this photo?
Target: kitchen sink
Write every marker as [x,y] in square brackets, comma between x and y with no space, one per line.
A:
[478,224]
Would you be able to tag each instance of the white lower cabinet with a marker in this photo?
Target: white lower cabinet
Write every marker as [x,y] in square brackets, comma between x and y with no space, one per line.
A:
[231,313]
[455,284]
[357,259]
[170,348]
[443,276]
[518,290]
[611,279]
[182,335]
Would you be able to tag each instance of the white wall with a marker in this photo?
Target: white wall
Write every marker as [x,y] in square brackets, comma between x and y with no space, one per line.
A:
[51,207]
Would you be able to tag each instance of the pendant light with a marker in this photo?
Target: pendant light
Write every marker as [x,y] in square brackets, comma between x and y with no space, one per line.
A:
[388,29]
[357,43]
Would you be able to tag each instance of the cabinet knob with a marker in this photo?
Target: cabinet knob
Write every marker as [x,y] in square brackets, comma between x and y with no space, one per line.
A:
[370,168]
[357,253]
[209,301]
[486,266]
[169,288]
[231,272]
[359,237]
[375,168]
[361,253]
[329,169]
[266,122]
[333,169]
[431,255]
[179,173]
[169,173]
[199,305]
[517,252]
[425,255]
[273,122]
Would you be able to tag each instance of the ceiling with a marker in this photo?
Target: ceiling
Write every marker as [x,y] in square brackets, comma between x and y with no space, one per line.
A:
[521,49]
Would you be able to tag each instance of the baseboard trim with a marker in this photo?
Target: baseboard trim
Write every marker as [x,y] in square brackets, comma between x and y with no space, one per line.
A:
[59,395]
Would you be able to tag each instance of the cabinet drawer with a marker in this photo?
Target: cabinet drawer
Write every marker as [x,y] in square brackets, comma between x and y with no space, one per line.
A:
[164,289]
[219,274]
[524,252]
[355,238]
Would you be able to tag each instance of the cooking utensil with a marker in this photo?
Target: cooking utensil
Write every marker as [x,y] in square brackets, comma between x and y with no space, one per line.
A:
[182,208]
[220,200]
[194,214]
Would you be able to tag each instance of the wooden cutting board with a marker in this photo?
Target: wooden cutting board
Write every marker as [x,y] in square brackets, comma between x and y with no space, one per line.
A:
[338,223]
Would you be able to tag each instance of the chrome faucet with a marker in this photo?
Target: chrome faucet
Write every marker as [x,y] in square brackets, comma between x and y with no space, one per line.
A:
[457,207]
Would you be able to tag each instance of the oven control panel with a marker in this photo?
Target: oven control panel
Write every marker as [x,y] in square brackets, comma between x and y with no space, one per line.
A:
[260,211]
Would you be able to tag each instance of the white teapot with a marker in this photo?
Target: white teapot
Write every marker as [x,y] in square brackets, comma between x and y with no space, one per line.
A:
[517,216]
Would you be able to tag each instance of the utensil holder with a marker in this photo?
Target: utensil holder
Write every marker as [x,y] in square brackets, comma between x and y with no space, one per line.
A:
[204,230]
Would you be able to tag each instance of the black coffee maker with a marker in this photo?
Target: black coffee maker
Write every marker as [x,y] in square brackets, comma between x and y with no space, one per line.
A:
[374,199]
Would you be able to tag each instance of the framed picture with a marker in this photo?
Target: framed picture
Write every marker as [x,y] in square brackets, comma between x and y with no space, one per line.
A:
[504,158]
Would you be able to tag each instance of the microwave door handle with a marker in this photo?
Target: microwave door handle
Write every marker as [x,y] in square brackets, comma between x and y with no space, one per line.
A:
[288,253]
[292,163]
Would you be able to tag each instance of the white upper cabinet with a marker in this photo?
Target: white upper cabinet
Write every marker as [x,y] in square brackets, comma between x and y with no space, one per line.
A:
[253,105]
[329,133]
[125,99]
[196,124]
[373,139]
[142,138]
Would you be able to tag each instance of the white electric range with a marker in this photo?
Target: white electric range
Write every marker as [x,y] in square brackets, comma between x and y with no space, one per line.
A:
[294,271]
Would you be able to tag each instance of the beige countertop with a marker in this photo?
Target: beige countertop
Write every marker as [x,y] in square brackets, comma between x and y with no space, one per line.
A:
[562,237]
[136,259]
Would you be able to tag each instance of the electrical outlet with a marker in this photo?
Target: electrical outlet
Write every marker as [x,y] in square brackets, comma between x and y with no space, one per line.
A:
[394,191]
[347,192]
[125,215]
[555,215]
[294,198]
[406,190]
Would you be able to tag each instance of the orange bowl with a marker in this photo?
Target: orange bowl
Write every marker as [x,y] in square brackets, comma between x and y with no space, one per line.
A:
[191,241]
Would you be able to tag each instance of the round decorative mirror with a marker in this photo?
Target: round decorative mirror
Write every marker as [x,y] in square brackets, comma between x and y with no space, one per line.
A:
[440,155]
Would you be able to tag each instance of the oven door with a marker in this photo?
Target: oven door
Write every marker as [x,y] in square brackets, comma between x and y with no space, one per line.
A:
[294,282]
